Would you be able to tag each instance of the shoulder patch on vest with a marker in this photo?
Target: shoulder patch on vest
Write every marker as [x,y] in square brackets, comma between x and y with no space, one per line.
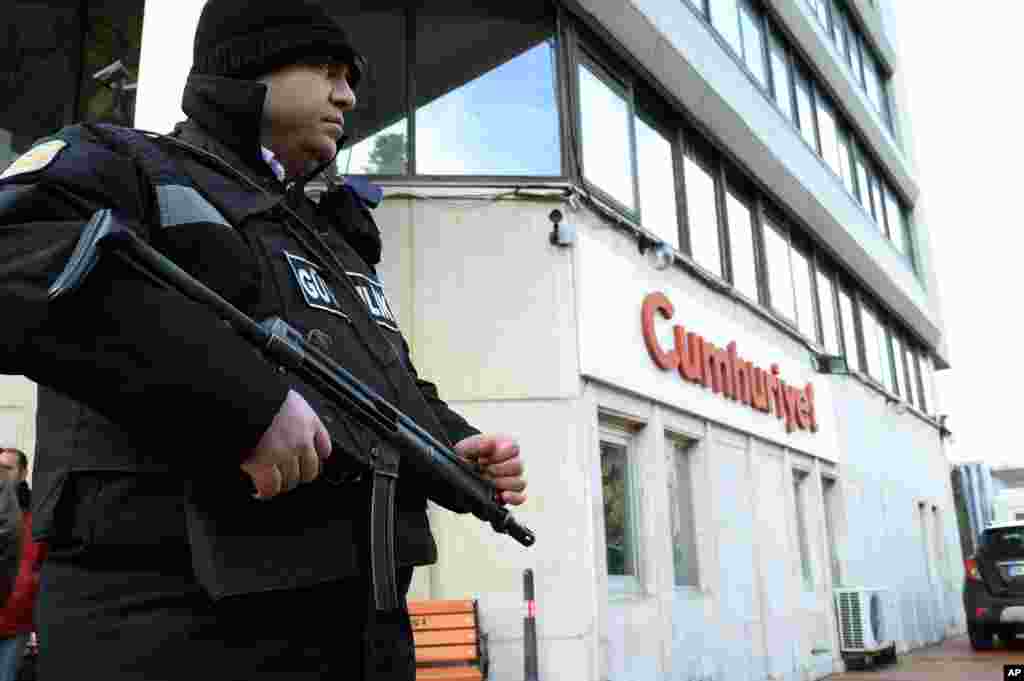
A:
[35,159]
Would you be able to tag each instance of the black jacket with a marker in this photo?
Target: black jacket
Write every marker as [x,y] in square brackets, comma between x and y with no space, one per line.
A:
[148,403]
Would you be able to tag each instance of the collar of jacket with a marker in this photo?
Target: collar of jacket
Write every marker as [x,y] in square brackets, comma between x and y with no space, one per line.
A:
[231,111]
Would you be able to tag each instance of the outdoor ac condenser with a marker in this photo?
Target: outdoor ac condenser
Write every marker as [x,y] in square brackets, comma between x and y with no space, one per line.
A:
[867,626]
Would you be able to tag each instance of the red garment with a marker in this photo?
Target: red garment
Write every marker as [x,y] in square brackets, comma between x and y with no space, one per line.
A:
[16,615]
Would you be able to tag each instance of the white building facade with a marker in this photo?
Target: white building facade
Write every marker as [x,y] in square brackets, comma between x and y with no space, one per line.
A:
[740,207]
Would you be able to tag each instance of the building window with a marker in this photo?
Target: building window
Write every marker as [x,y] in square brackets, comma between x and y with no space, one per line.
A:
[895,221]
[908,361]
[827,306]
[378,128]
[839,32]
[619,496]
[780,74]
[658,207]
[780,275]
[803,289]
[467,58]
[604,127]
[899,375]
[681,512]
[805,107]
[1018,516]
[915,373]
[875,343]
[741,243]
[845,169]
[49,58]
[701,210]
[927,406]
[830,494]
[830,147]
[800,491]
[940,542]
[846,314]
[753,43]
[725,16]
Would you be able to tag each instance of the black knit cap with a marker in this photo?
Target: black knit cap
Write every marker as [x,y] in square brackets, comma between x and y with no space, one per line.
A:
[244,39]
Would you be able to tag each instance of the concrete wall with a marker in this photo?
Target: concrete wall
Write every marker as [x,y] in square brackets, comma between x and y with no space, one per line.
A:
[893,464]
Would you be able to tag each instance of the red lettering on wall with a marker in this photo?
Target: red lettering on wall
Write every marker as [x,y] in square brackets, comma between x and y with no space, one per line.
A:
[657,302]
[724,371]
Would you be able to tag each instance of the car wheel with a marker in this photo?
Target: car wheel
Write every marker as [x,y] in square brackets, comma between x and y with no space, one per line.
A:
[981,636]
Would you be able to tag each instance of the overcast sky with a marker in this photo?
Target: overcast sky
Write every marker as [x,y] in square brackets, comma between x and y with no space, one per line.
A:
[963,80]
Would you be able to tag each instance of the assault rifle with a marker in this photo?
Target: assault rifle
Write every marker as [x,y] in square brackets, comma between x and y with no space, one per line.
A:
[288,348]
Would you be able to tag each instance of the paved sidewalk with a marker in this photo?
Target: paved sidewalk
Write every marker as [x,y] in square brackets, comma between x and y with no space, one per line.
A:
[953,660]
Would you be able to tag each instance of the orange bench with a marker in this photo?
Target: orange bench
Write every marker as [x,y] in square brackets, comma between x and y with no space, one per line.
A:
[449,643]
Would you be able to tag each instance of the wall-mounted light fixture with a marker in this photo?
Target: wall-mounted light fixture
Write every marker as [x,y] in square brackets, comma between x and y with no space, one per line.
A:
[658,253]
[562,234]
[833,364]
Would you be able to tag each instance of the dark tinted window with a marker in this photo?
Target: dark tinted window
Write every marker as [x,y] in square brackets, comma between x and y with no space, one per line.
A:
[1004,541]
[50,53]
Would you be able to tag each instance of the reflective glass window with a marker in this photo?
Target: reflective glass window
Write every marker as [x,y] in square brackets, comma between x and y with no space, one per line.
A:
[863,187]
[741,244]
[658,208]
[604,127]
[753,44]
[620,521]
[485,89]
[377,130]
[927,376]
[899,377]
[829,135]
[59,65]
[850,346]
[882,348]
[909,364]
[915,376]
[827,306]
[805,108]
[681,518]
[857,45]
[839,32]
[780,276]
[871,80]
[725,16]
[780,75]
[845,169]
[869,328]
[702,215]
[894,216]
[803,288]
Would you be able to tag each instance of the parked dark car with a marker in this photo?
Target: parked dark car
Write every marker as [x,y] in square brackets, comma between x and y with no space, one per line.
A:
[994,586]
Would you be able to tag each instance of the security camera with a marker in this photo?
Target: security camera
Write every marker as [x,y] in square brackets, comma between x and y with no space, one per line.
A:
[561,234]
[112,72]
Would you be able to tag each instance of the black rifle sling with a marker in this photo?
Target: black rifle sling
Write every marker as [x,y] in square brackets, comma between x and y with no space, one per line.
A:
[385,458]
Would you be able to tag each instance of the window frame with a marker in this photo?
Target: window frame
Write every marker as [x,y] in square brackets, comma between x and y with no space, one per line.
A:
[564,51]
[618,82]
[620,586]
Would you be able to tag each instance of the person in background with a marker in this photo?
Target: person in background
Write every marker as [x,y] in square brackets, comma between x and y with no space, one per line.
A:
[16,620]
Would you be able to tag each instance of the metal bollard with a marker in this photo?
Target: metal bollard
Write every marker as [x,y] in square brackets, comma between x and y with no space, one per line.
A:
[530,628]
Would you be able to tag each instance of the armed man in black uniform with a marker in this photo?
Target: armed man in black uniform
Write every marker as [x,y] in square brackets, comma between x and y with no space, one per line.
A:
[156,420]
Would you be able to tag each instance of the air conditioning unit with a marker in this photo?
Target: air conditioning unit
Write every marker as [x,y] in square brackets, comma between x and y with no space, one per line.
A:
[867,624]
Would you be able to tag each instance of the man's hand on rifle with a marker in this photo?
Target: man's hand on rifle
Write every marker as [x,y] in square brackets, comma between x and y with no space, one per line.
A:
[290,451]
[496,457]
